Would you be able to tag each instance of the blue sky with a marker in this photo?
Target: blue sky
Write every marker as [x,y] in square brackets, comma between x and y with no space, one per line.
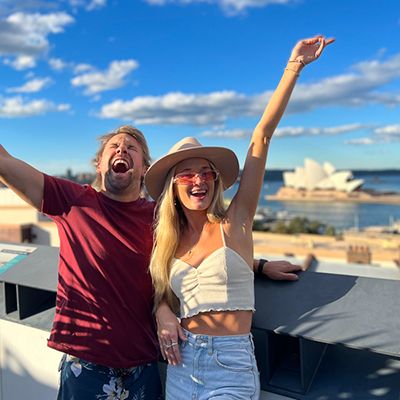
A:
[72,70]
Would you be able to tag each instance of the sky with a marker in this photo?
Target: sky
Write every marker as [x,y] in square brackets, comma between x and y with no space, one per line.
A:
[72,70]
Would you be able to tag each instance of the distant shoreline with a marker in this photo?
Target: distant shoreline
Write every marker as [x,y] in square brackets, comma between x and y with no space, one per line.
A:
[323,196]
[277,174]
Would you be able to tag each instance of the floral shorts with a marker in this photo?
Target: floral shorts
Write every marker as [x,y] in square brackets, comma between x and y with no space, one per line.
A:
[82,380]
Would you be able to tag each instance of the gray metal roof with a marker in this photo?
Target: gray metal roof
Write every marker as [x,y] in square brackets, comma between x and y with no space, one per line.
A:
[324,337]
[355,311]
[38,269]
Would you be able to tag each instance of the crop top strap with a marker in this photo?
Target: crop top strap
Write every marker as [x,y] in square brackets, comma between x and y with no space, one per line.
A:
[222,234]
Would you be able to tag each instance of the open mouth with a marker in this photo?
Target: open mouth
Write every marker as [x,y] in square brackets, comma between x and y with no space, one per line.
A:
[198,193]
[120,166]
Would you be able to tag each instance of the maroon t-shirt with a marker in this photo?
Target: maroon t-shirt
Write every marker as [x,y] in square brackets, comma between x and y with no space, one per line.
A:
[104,295]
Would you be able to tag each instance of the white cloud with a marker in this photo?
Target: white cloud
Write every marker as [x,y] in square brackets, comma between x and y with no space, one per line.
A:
[383,134]
[95,4]
[227,133]
[89,5]
[10,6]
[231,7]
[96,81]
[63,107]
[21,62]
[365,141]
[79,68]
[17,107]
[23,34]
[32,86]
[359,88]
[288,131]
[57,64]
[388,133]
[40,24]
[389,130]
[179,108]
[318,131]
[352,89]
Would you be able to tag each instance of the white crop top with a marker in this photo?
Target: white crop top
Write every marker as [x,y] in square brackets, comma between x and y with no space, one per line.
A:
[222,282]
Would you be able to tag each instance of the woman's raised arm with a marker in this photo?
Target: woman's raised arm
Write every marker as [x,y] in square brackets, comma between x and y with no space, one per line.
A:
[246,200]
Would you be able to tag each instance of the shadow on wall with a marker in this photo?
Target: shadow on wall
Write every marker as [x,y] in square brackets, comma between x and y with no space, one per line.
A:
[328,337]
[356,375]
[16,382]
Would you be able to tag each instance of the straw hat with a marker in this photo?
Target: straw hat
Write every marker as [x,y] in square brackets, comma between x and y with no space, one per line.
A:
[224,160]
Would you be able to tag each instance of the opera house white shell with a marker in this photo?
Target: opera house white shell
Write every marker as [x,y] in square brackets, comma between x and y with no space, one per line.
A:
[313,176]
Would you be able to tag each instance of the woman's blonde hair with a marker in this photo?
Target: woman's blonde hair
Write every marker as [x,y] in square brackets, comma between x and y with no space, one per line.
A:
[169,223]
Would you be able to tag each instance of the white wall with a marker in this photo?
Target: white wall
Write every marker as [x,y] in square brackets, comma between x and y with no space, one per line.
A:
[29,369]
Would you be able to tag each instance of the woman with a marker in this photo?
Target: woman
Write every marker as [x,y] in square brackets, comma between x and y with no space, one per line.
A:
[203,255]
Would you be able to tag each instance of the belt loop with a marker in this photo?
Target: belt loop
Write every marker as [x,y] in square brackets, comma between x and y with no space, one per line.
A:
[210,345]
[252,342]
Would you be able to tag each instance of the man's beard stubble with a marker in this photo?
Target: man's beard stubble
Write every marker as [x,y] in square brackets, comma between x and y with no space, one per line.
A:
[118,186]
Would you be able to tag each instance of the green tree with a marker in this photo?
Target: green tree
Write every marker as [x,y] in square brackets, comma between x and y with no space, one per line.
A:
[330,230]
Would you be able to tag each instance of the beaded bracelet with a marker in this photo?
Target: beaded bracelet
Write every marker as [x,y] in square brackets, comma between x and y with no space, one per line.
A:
[261,264]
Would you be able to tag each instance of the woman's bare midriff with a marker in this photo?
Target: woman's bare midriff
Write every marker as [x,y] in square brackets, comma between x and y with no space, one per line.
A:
[219,323]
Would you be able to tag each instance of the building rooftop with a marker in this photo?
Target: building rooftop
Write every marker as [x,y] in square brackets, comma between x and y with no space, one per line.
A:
[326,336]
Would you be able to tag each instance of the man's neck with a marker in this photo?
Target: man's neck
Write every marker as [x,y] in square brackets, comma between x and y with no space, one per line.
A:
[123,197]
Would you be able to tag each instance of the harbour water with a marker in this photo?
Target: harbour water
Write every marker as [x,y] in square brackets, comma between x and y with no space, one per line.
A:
[339,214]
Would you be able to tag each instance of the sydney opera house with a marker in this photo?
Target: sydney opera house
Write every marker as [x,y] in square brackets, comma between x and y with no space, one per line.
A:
[313,176]
[315,182]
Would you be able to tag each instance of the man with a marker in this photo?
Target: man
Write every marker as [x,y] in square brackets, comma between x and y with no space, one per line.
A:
[103,321]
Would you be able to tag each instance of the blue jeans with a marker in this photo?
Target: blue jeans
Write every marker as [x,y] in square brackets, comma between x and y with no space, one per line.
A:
[83,380]
[214,367]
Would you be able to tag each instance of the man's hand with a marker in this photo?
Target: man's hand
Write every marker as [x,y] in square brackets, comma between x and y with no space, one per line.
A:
[279,270]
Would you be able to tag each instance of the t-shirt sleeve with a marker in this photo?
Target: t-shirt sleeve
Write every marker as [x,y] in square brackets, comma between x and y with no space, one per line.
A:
[59,195]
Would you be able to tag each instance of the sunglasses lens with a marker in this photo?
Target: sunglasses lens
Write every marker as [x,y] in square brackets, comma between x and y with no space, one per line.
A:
[209,176]
[185,179]
[190,178]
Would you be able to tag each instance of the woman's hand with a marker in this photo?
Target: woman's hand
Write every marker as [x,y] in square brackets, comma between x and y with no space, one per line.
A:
[308,50]
[169,332]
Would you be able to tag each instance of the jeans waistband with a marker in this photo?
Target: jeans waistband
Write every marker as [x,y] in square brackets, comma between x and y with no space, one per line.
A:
[211,342]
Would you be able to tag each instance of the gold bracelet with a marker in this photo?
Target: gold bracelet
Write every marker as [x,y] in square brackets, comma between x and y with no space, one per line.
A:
[295,72]
[298,61]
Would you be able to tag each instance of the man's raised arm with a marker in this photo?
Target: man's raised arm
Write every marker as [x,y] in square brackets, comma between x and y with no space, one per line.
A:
[26,181]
